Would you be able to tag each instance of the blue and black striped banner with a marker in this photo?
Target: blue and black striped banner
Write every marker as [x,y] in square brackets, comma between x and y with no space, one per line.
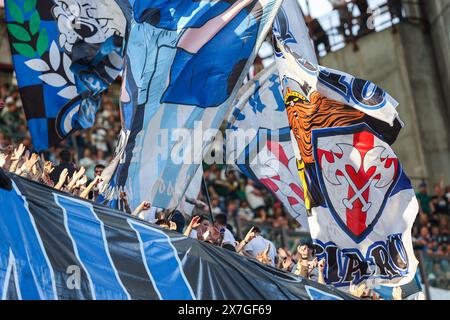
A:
[55,246]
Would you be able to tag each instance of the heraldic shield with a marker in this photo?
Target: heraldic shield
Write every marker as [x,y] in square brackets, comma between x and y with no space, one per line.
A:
[357,171]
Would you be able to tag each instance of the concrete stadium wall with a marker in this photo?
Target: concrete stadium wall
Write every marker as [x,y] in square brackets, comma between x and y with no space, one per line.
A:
[438,14]
[403,63]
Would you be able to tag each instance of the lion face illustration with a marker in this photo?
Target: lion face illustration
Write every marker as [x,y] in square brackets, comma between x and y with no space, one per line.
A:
[319,112]
[86,20]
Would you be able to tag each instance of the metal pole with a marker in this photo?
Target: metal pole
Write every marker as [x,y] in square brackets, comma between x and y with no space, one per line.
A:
[208,198]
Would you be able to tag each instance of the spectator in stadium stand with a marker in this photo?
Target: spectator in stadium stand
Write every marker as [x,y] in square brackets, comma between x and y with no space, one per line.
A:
[439,202]
[227,238]
[98,170]
[395,7]
[341,6]
[197,227]
[232,208]
[423,197]
[318,34]
[254,244]
[65,162]
[256,201]
[363,7]
[179,220]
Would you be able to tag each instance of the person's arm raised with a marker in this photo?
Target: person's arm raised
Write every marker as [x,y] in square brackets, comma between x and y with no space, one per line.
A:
[195,222]
[248,237]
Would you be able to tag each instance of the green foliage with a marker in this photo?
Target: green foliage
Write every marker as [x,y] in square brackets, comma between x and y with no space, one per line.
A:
[26,33]
[15,11]
[18,32]
[35,22]
[24,49]
[29,5]
[42,42]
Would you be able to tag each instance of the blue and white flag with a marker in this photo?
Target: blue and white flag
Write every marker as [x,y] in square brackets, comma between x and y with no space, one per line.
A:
[258,142]
[185,61]
[65,54]
[360,201]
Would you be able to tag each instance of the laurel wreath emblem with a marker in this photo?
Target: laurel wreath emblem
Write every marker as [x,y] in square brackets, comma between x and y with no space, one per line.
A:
[26,33]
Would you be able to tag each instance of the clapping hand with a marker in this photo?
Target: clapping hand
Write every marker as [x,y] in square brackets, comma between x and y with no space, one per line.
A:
[18,152]
[81,182]
[3,158]
[31,162]
[76,176]
[62,179]
[397,293]
[357,291]
[287,262]
[48,167]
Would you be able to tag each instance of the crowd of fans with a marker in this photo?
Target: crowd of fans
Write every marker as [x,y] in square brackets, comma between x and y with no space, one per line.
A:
[232,196]
[431,230]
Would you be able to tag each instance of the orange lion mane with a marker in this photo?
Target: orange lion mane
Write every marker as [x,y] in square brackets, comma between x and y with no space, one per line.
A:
[319,112]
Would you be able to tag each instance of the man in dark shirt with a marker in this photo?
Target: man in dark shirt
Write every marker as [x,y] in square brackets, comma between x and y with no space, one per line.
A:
[65,162]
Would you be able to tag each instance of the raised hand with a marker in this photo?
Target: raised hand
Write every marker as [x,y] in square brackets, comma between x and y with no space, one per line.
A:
[321,265]
[48,167]
[194,223]
[249,236]
[76,176]
[357,291]
[18,152]
[397,293]
[3,158]
[81,182]
[85,193]
[287,263]
[62,179]
[31,162]
[172,226]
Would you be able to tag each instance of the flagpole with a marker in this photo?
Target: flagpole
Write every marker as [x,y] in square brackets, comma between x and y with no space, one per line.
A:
[208,198]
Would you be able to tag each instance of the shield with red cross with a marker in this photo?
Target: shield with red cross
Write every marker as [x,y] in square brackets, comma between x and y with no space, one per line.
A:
[356,171]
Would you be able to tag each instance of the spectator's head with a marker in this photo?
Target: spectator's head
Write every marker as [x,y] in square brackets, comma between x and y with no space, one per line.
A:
[98,170]
[435,230]
[204,225]
[232,207]
[423,188]
[424,232]
[65,156]
[220,220]
[423,218]
[163,223]
[438,191]
[178,218]
[215,202]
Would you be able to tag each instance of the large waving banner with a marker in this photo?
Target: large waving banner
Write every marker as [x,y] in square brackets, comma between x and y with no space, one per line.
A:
[258,141]
[185,61]
[55,246]
[65,54]
[361,203]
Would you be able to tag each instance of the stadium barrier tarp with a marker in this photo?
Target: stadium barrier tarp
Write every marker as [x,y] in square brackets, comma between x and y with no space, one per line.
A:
[56,246]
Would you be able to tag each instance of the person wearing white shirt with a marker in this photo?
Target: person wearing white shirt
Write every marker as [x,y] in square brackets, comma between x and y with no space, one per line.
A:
[220,222]
[258,244]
